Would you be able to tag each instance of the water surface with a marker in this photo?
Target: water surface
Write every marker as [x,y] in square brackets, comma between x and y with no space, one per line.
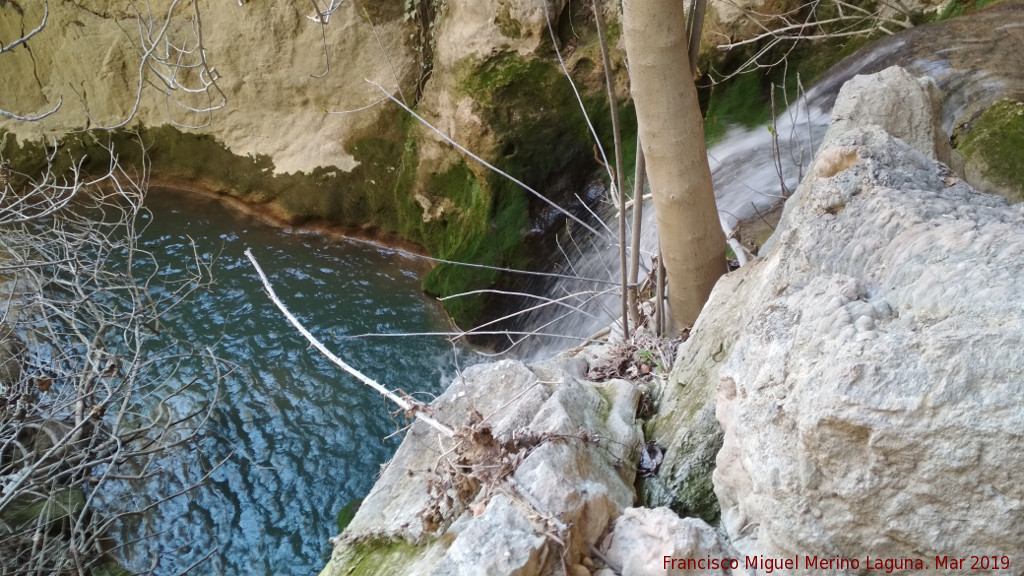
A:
[301,438]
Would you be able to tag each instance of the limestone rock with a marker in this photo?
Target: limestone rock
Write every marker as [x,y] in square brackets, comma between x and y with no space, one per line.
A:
[642,538]
[481,29]
[871,405]
[581,474]
[867,369]
[907,108]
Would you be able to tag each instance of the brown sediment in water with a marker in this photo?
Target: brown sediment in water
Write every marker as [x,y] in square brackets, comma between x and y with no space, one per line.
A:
[272,215]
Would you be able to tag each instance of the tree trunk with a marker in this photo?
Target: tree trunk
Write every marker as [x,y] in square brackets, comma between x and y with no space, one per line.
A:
[671,132]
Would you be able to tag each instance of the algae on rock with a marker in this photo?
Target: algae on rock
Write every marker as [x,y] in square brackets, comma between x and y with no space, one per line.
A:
[992,145]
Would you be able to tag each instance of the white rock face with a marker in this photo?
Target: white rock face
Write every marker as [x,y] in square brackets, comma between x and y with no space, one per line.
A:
[565,480]
[871,402]
[653,542]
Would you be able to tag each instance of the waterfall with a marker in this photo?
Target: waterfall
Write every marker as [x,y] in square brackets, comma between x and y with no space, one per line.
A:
[974,61]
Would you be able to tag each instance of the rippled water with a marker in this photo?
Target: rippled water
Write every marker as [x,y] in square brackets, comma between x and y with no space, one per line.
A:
[301,438]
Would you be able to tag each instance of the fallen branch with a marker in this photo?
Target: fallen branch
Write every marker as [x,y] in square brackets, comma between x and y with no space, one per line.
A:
[413,408]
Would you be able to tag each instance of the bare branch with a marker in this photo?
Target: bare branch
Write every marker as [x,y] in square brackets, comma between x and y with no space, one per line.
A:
[89,407]
[411,407]
[177,67]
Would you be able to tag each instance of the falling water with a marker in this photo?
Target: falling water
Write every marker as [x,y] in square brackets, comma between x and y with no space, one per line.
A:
[974,60]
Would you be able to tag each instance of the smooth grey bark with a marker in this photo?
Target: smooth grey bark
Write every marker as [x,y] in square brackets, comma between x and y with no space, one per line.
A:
[671,131]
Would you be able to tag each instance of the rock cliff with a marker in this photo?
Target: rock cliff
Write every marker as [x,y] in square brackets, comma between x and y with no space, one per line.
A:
[266,60]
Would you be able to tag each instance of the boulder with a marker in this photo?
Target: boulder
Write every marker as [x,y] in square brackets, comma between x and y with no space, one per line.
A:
[906,107]
[869,403]
[567,471]
[901,105]
[652,542]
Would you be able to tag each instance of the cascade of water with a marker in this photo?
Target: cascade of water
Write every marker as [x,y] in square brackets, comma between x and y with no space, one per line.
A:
[974,61]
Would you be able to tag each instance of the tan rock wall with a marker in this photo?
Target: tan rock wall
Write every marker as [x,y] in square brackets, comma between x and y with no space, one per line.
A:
[266,56]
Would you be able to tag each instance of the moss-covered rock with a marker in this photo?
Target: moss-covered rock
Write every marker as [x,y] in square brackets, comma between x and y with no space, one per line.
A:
[55,509]
[992,146]
[367,197]
[525,119]
[373,556]
[685,424]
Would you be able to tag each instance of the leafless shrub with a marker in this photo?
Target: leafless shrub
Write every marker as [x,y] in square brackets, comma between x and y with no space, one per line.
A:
[94,391]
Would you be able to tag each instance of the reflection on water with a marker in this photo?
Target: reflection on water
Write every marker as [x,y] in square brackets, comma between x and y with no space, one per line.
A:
[301,438]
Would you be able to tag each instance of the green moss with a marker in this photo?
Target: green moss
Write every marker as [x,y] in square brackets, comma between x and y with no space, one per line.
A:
[607,393]
[27,510]
[347,513]
[507,25]
[696,495]
[961,7]
[531,107]
[486,230]
[740,102]
[693,493]
[613,31]
[994,146]
[373,557]
[541,138]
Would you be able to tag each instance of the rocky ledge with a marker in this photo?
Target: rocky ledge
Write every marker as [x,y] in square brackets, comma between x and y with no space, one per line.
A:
[853,395]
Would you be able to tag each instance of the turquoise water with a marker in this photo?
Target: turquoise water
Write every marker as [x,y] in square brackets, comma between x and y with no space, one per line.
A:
[301,438]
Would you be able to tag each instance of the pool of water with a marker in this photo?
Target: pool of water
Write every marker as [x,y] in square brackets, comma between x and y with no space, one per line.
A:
[300,437]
